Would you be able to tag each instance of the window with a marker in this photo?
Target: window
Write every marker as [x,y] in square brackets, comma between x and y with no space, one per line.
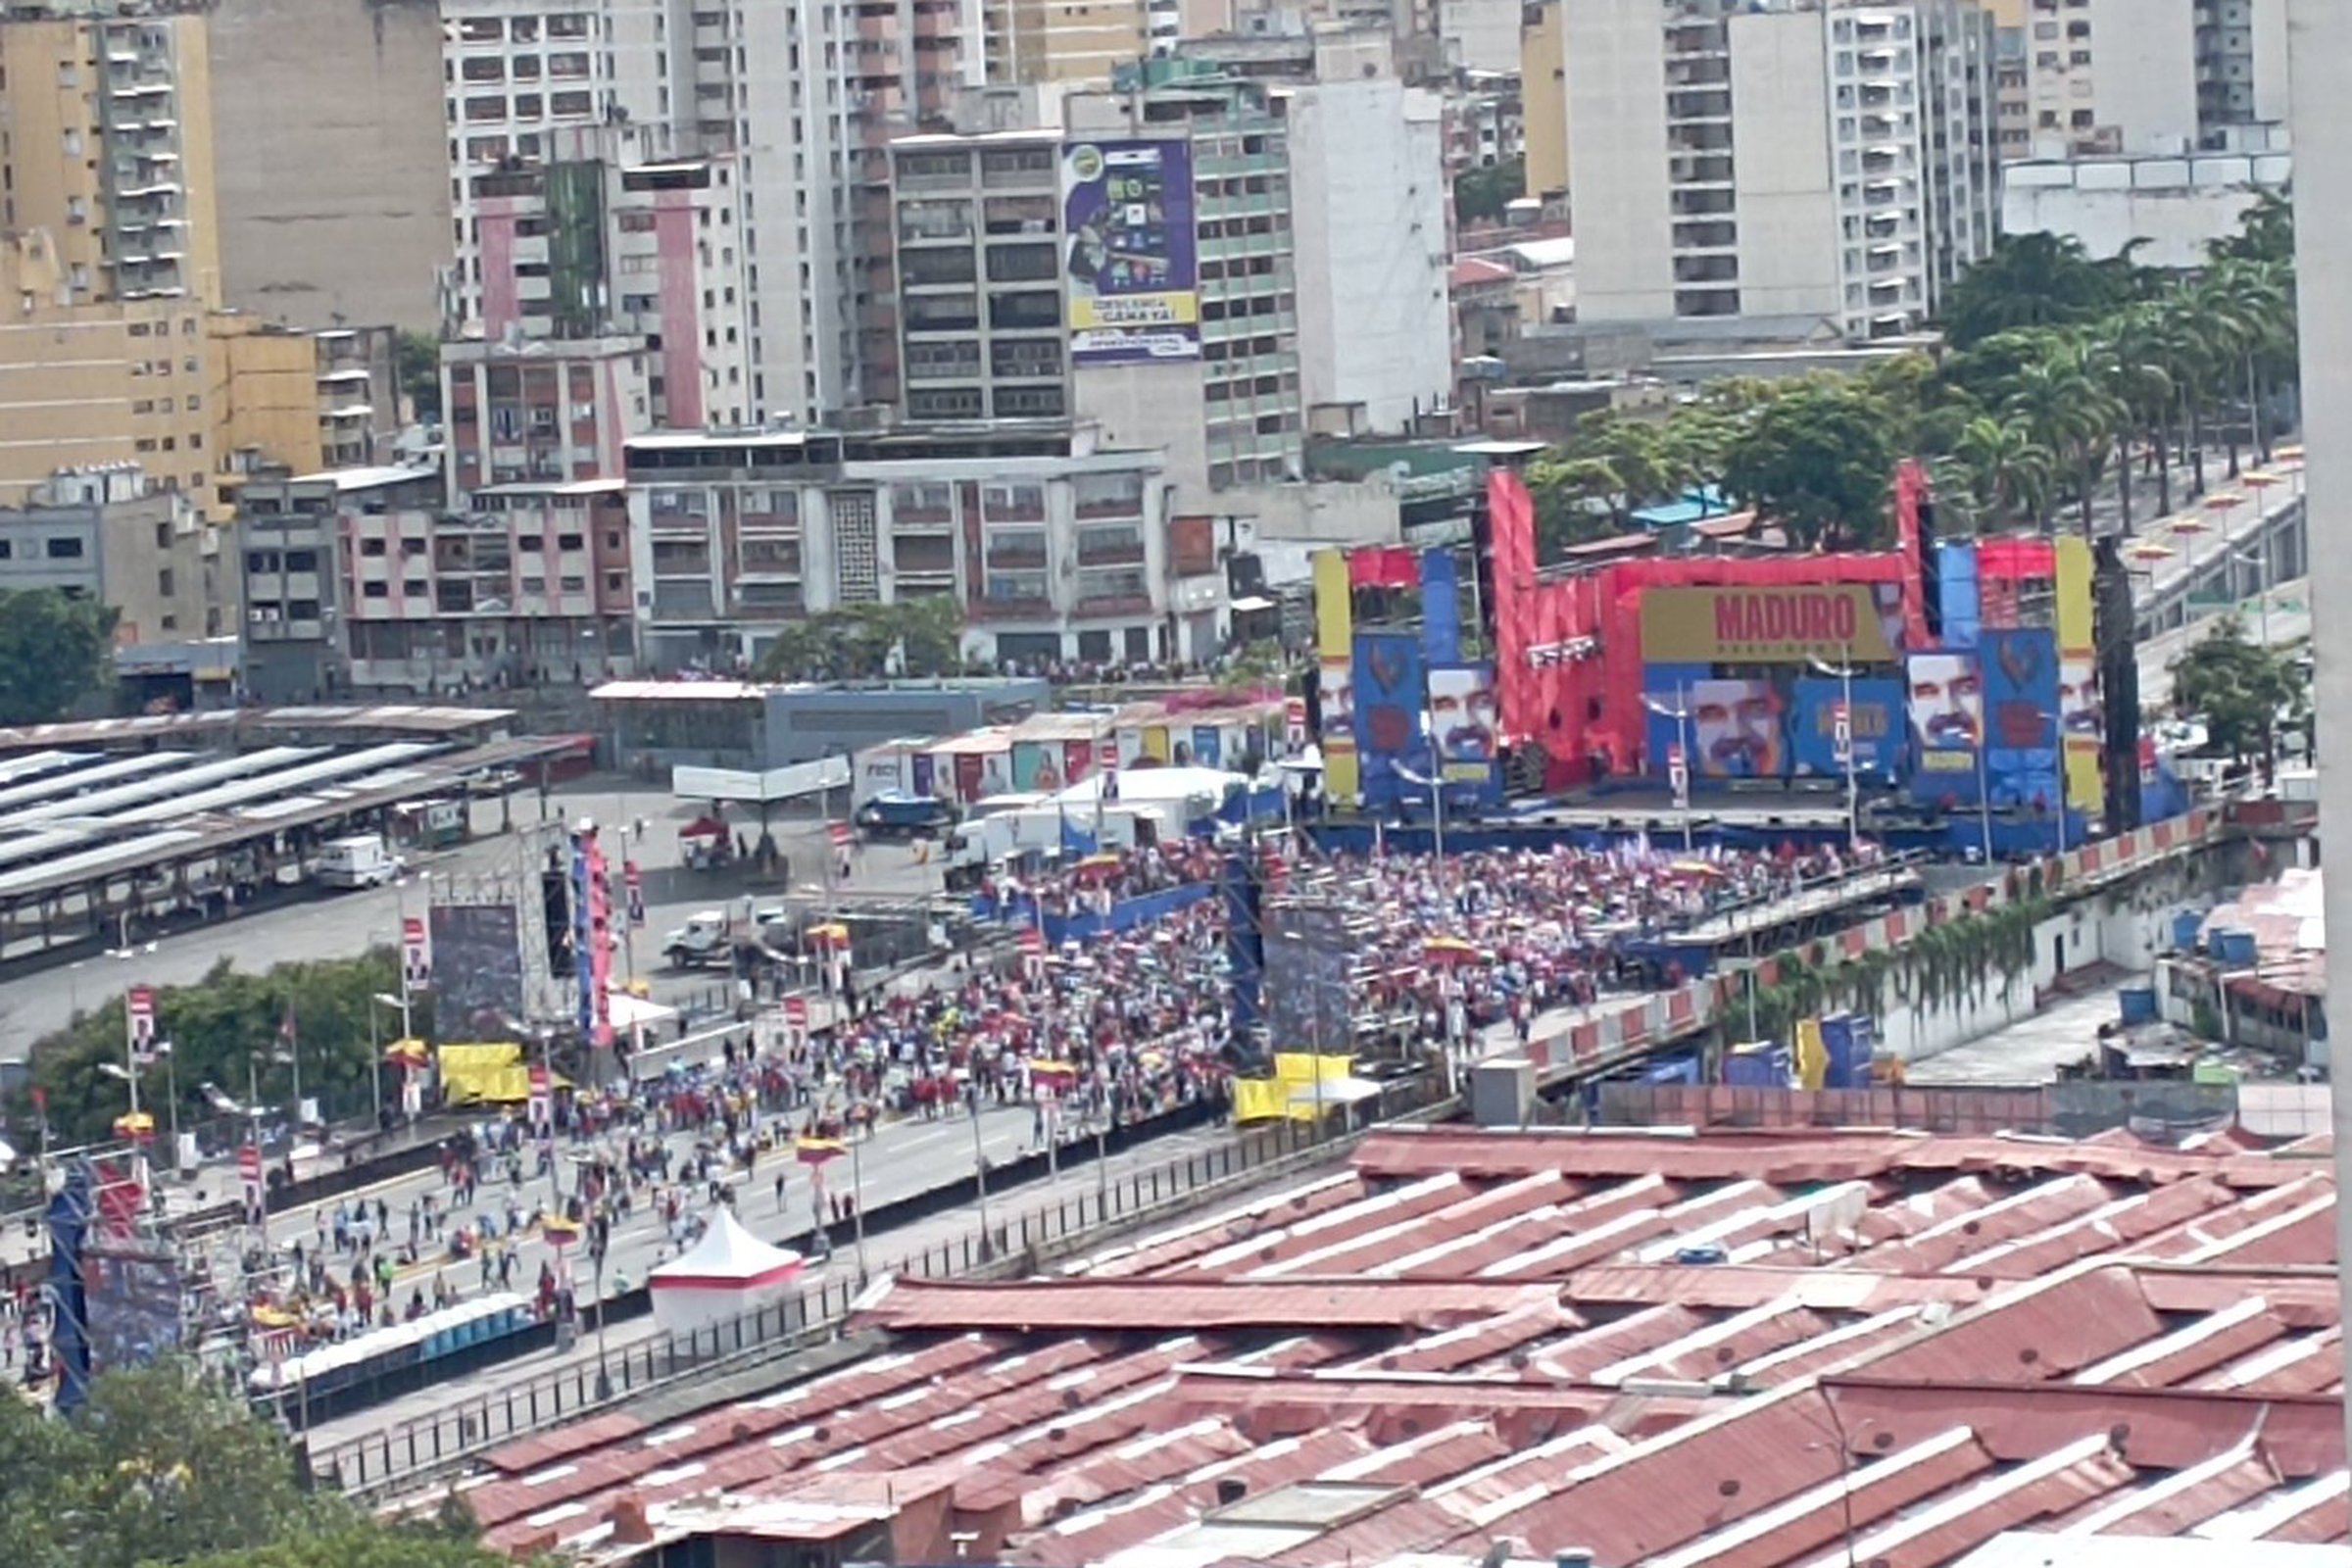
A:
[376,590]
[63,549]
[371,547]
[162,536]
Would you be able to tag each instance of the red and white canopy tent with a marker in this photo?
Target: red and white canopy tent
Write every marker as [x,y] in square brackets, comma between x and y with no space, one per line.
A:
[727,1273]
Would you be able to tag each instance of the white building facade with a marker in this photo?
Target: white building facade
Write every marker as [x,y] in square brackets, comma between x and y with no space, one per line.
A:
[1799,163]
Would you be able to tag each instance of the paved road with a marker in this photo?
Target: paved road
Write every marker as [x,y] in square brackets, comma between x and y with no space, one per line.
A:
[916,1157]
[327,924]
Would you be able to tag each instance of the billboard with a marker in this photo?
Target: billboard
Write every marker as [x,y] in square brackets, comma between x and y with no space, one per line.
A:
[1875,722]
[1847,623]
[2020,667]
[2082,706]
[1727,729]
[1944,708]
[1127,217]
[1389,699]
[1335,691]
[1462,724]
[480,951]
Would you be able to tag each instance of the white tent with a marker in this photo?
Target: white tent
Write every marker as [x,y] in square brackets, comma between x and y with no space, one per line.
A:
[727,1273]
[1154,784]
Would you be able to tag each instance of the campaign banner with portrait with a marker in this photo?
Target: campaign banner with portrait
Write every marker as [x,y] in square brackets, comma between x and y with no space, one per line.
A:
[1389,699]
[1727,729]
[2020,666]
[2082,706]
[1133,281]
[1463,719]
[1874,726]
[1944,708]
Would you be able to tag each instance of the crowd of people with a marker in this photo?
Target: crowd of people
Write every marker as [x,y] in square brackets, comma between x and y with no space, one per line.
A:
[1086,1033]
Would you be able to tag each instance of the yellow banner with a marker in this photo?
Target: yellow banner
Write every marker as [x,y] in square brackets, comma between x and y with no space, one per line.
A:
[1335,616]
[1847,622]
[1812,1056]
[2082,715]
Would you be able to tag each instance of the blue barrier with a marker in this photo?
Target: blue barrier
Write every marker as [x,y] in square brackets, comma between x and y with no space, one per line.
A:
[1124,916]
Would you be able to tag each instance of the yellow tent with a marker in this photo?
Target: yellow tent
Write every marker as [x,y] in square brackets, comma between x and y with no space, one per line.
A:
[489,1073]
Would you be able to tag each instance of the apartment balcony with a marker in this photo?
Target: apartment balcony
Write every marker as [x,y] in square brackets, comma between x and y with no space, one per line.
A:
[1130,554]
[1114,508]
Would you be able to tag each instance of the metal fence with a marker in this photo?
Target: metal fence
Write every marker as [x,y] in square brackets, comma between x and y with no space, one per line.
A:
[2159,1110]
[1010,1243]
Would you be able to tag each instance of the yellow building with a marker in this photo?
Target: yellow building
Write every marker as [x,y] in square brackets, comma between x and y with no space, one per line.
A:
[112,348]
[264,403]
[106,144]
[123,381]
[1544,97]
[1073,41]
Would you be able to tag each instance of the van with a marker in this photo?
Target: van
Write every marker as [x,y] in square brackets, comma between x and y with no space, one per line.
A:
[355,862]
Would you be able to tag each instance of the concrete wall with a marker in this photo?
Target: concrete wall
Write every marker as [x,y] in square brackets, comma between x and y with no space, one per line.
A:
[1368,219]
[1788,199]
[2178,205]
[1617,160]
[2143,71]
[332,172]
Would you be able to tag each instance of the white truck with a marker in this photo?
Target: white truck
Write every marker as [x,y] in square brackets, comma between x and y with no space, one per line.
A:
[705,938]
[358,862]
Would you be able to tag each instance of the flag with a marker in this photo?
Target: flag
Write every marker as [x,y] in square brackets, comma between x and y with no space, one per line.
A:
[814,1150]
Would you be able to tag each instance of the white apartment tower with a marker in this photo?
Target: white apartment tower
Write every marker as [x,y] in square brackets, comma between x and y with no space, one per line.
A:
[1784,162]
[796,99]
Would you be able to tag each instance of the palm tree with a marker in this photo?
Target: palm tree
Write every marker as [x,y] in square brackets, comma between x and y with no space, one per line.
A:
[2142,385]
[2004,470]
[2189,356]
[2254,297]
[2063,398]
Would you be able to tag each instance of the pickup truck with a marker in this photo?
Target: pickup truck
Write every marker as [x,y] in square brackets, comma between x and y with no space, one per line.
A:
[904,816]
[705,938]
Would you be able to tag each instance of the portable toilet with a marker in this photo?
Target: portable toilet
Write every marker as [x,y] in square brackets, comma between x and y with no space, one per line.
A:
[1757,1065]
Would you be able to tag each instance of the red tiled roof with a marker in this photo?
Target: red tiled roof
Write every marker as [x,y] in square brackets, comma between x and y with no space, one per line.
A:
[1517,1336]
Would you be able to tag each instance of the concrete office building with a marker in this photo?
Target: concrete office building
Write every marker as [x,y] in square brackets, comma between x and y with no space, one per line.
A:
[114,535]
[800,101]
[1073,43]
[1052,544]
[1233,415]
[333,185]
[1794,165]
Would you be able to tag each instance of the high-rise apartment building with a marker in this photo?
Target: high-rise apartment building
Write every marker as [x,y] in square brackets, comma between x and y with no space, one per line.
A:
[107,146]
[2141,78]
[1784,162]
[790,106]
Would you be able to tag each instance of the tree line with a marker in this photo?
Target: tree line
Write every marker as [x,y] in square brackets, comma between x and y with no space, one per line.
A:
[235,1030]
[2058,376]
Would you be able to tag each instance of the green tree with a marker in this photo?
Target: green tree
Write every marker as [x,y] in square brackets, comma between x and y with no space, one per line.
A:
[1484,193]
[1818,459]
[2034,279]
[2006,471]
[160,1468]
[918,637]
[219,1027]
[418,367]
[2063,397]
[2266,232]
[54,652]
[2241,692]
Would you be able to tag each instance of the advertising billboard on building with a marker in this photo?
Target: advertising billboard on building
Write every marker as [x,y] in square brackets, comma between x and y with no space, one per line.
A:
[1847,622]
[1335,681]
[1130,262]
[2082,707]
[1943,705]
[2021,716]
[480,946]
[1874,721]
[1389,699]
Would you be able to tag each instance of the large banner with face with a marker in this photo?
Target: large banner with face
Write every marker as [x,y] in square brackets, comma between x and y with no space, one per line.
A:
[1462,718]
[1943,706]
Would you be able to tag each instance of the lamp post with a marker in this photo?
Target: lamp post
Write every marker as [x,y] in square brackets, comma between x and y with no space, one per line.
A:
[979,1165]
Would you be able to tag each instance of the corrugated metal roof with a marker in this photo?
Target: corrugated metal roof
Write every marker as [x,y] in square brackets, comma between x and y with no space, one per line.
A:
[1972,1333]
